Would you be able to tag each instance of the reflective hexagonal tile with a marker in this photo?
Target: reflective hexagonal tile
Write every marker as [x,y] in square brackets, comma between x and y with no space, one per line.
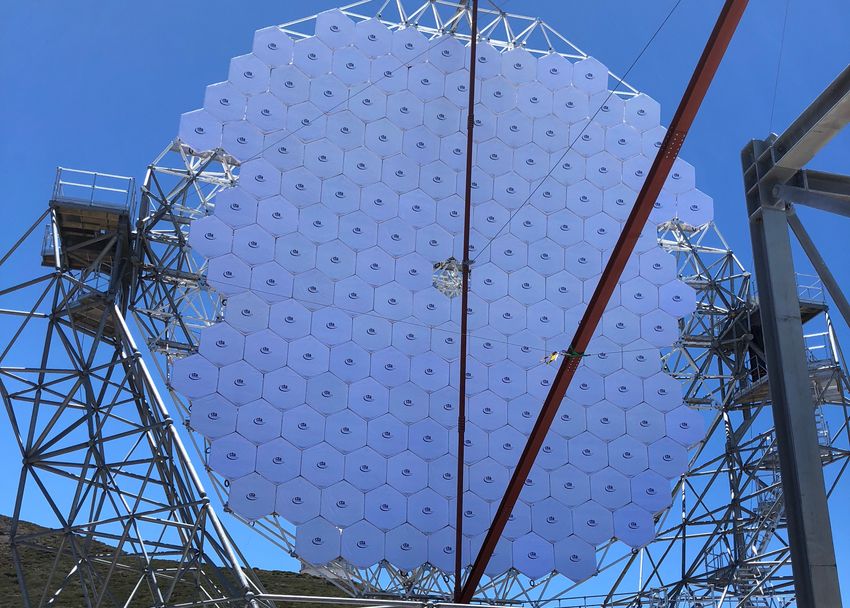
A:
[593,523]
[651,491]
[620,325]
[488,479]
[221,344]
[443,407]
[610,488]
[289,84]
[372,37]
[271,282]
[303,426]
[351,66]
[200,130]
[694,208]
[588,453]
[265,350]
[406,546]
[407,472]
[362,544]
[476,515]
[405,110]
[387,435]
[634,526]
[308,356]
[368,398]
[569,485]
[278,460]
[232,456]
[643,112]
[322,465]
[365,469]
[252,496]
[259,422]
[568,168]
[575,558]
[211,237]
[623,390]
[317,541]
[240,383]
[663,392]
[297,501]
[475,444]
[668,458]
[645,423]
[386,507]
[362,166]
[334,28]
[533,556]
[213,416]
[312,56]
[685,425]
[427,511]
[284,388]
[627,455]
[350,362]
[571,419]
[327,393]
[342,504]
[550,520]
[346,431]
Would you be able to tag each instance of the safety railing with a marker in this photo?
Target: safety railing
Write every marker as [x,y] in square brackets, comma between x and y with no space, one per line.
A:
[93,189]
[810,288]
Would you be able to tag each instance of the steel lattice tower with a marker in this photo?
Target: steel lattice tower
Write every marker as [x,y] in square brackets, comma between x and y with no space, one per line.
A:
[87,414]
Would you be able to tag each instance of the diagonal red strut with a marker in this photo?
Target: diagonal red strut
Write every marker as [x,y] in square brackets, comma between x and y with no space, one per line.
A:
[715,48]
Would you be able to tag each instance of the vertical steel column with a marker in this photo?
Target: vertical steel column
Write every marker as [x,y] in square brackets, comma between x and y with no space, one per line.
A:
[806,510]
[464,303]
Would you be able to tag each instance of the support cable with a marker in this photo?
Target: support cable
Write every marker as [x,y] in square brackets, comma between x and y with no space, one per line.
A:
[706,68]
[343,103]
[464,302]
[583,129]
[778,65]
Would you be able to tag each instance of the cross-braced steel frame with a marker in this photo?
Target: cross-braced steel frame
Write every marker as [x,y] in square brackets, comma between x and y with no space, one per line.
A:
[724,537]
[87,414]
[101,457]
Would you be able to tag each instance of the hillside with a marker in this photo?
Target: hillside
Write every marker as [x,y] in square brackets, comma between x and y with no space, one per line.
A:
[37,565]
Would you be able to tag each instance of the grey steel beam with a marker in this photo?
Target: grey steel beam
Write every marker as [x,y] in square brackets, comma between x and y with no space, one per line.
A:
[817,189]
[807,513]
[783,156]
[811,251]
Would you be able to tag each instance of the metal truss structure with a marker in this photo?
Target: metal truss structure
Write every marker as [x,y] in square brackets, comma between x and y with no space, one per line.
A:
[88,417]
[435,18]
[101,456]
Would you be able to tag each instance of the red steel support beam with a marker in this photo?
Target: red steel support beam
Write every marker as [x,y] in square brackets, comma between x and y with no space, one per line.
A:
[464,303]
[704,73]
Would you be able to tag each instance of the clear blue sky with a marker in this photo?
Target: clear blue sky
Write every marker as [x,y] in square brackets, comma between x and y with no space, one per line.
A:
[101,85]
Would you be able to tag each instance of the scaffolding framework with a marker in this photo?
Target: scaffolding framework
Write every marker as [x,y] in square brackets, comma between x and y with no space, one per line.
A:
[88,417]
[130,520]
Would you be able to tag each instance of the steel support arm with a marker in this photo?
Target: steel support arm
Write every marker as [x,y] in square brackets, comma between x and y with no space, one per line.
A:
[704,72]
[780,160]
[817,189]
[811,251]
